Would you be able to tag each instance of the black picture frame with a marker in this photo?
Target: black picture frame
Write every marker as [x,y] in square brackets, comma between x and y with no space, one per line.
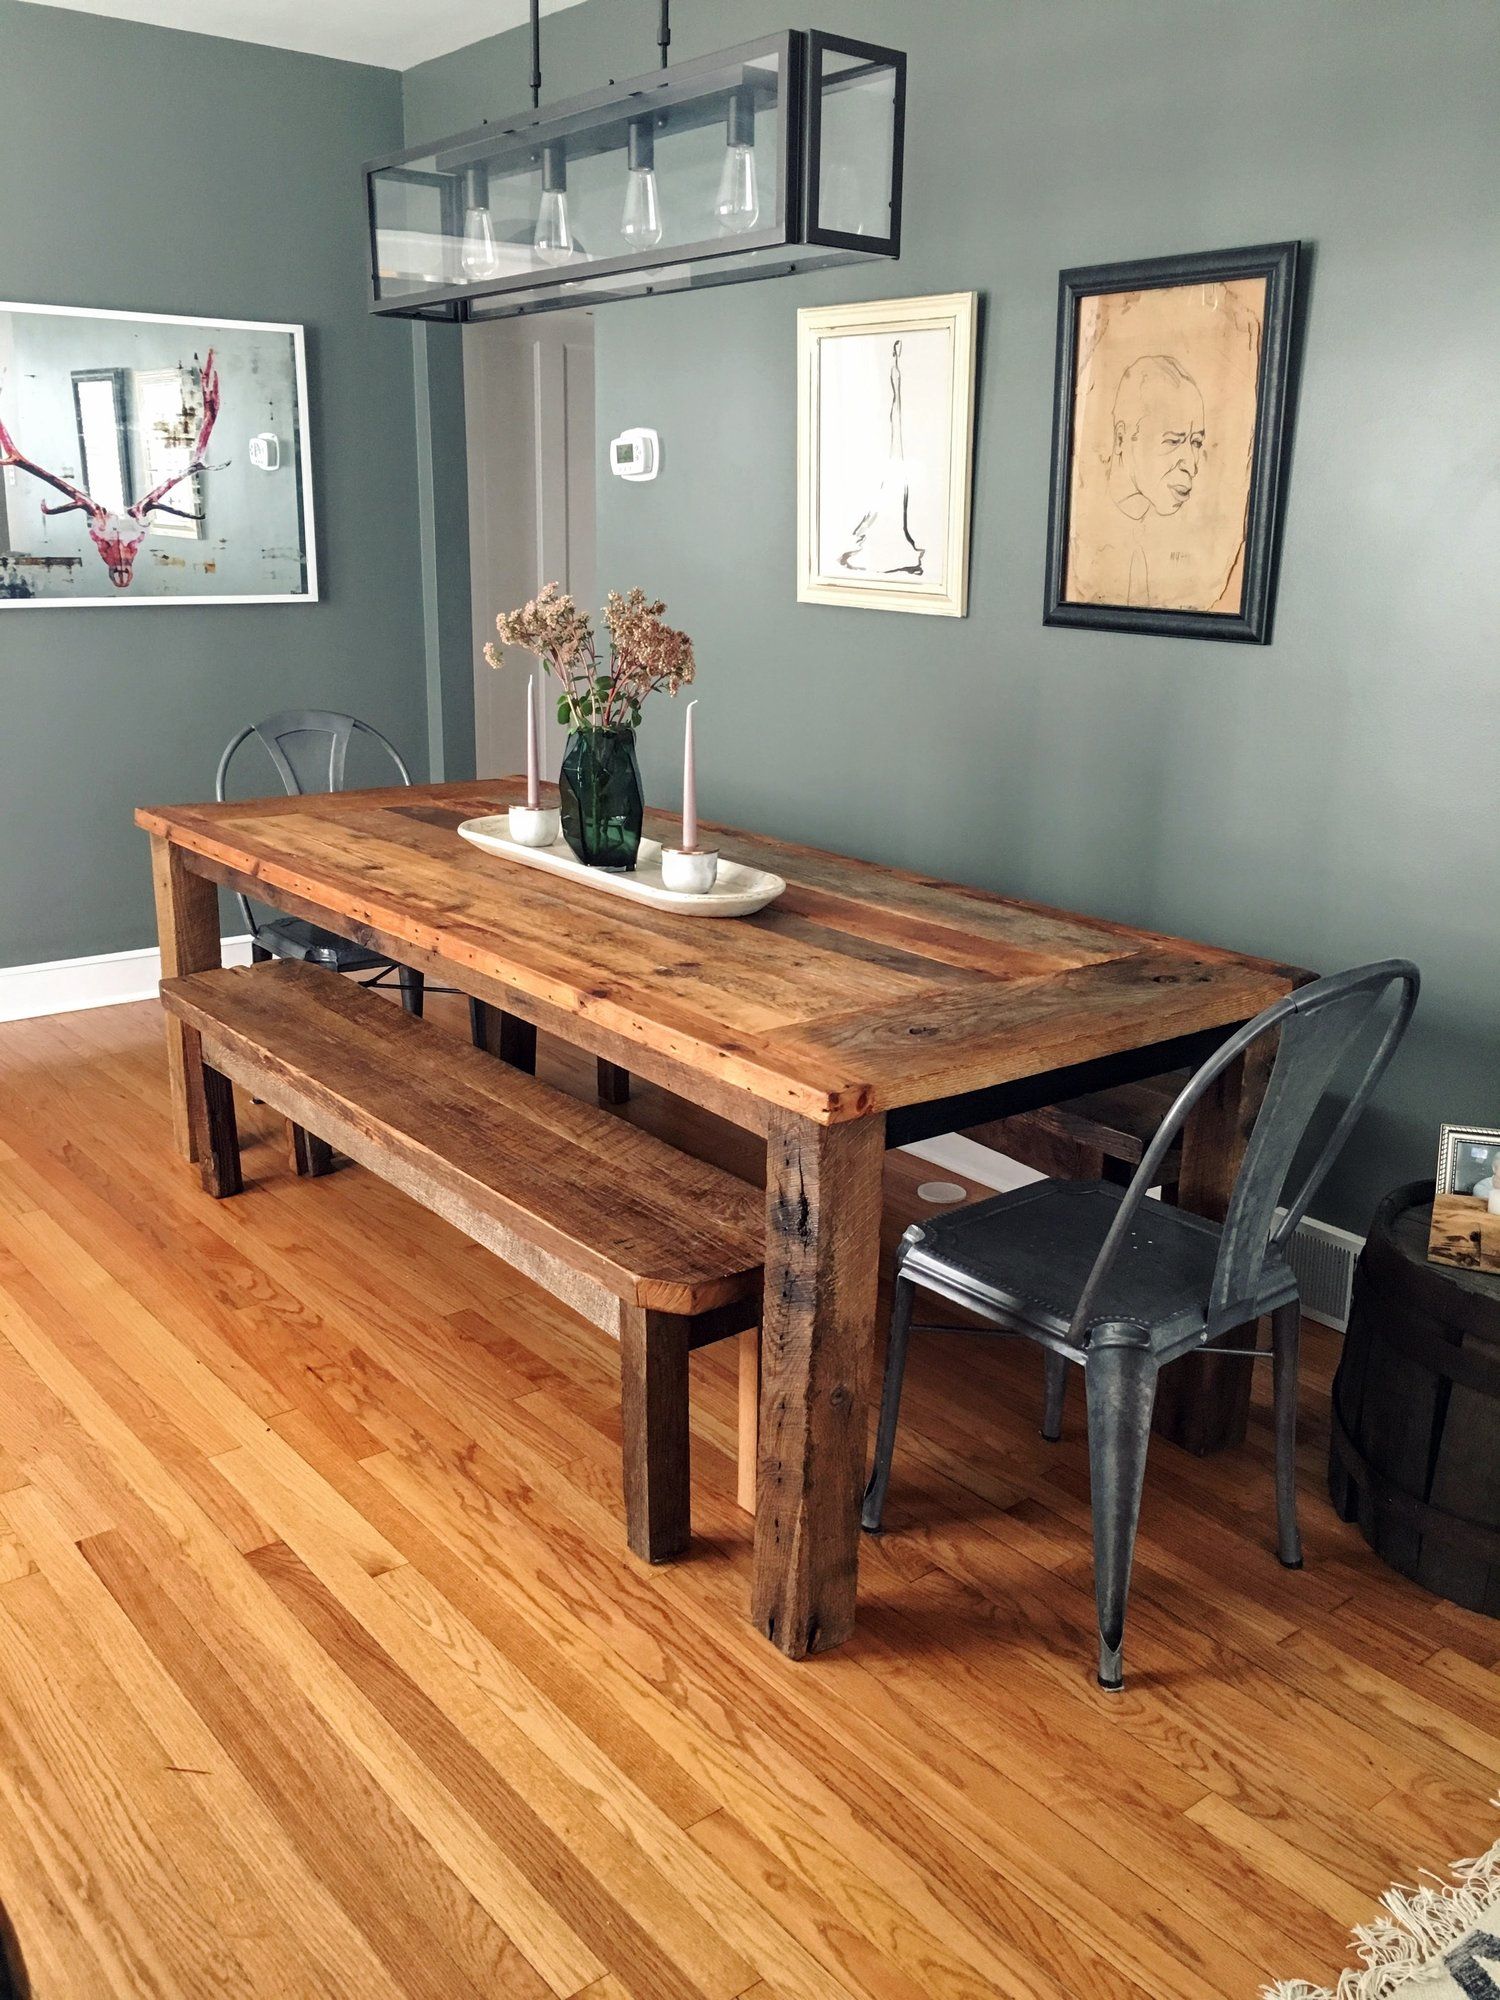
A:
[1277,264]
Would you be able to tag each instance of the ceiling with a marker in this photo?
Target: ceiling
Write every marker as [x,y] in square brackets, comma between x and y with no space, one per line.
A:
[391,33]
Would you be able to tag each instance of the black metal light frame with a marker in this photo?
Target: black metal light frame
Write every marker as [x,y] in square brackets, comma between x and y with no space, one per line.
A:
[723,260]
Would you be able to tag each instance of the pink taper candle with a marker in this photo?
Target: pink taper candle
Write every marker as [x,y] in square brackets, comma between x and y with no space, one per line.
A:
[689,784]
[533,794]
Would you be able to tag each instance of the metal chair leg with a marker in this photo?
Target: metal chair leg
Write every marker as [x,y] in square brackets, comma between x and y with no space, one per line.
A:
[1056,1390]
[890,1405]
[1286,1329]
[413,988]
[1121,1384]
[258,953]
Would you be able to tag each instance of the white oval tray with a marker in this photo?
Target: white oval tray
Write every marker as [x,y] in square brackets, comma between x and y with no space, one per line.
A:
[738,891]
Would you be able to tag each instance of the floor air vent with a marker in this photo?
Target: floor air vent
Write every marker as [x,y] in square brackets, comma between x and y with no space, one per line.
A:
[1322,1259]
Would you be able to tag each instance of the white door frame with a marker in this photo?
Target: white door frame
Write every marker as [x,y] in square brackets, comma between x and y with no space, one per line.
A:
[529,394]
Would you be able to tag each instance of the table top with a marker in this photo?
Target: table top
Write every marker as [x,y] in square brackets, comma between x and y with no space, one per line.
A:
[862,989]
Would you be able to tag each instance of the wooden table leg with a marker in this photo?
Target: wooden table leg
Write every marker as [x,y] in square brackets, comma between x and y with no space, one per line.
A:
[823,1185]
[613,1083]
[187,928]
[1203,1402]
[504,1035]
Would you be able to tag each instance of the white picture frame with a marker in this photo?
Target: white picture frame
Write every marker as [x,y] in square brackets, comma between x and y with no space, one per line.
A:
[252,523]
[885,453]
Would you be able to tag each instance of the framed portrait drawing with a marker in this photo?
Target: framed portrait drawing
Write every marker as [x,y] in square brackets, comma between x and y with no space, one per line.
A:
[151,459]
[885,429]
[1167,443]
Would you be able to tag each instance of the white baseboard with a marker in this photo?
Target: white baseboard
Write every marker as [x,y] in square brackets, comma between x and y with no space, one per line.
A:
[108,979]
[958,1155]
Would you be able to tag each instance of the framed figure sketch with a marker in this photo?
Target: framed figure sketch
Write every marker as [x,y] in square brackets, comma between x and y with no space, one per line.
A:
[1167,443]
[151,459]
[885,428]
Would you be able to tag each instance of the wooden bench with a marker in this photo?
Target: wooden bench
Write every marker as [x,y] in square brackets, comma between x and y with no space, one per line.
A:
[659,1249]
[1099,1136]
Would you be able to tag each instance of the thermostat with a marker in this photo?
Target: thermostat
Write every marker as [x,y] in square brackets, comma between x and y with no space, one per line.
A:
[635,454]
[265,452]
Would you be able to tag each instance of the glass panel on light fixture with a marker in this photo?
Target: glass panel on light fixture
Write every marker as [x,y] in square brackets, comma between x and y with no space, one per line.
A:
[631,181]
[857,129]
[688,149]
[414,246]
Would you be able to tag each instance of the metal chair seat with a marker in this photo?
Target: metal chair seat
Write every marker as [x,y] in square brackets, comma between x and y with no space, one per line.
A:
[1026,1256]
[294,937]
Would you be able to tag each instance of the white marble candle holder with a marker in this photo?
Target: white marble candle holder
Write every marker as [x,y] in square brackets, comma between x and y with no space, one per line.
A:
[690,872]
[535,826]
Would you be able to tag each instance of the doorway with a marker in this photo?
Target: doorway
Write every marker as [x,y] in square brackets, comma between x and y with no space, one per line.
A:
[529,394]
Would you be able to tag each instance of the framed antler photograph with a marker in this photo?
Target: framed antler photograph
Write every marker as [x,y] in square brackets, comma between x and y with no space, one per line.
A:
[147,458]
[885,430]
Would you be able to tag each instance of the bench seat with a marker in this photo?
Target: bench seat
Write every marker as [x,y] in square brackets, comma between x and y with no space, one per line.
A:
[659,1249]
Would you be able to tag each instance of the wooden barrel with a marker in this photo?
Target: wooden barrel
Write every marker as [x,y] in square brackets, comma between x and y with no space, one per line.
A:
[1415,1450]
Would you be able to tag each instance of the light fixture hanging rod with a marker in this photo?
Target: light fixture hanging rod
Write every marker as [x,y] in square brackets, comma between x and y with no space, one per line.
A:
[536,53]
[664,32]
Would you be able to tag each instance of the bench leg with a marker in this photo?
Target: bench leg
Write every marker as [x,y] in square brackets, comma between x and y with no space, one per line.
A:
[210,1104]
[312,1157]
[614,1083]
[749,1427]
[504,1035]
[654,1405]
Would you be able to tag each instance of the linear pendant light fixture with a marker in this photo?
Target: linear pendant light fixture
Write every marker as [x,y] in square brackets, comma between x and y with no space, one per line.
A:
[781,155]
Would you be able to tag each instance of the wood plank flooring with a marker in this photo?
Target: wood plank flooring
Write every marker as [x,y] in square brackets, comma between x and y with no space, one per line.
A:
[324,1670]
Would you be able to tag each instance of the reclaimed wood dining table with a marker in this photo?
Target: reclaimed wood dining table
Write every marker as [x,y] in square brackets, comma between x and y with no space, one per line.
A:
[867,1007]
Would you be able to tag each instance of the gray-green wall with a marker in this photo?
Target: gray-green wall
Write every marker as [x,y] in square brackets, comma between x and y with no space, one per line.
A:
[164,172]
[1330,798]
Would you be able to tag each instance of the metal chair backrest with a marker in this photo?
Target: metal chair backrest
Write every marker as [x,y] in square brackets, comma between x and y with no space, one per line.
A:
[277,735]
[1319,1027]
[276,732]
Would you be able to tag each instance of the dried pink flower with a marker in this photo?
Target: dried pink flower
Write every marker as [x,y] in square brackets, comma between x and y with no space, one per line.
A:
[645,653]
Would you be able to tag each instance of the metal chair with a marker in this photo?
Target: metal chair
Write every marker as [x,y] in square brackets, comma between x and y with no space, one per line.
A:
[1100,1276]
[293,937]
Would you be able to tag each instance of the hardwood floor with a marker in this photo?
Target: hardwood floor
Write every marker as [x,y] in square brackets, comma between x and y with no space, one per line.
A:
[324,1670]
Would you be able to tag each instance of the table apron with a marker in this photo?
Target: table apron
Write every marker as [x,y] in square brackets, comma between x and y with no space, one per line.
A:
[911,1122]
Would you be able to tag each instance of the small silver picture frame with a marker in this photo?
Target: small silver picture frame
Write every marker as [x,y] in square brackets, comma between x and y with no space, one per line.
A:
[1467,1156]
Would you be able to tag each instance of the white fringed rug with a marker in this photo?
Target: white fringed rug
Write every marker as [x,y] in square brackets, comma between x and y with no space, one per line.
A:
[1441,1943]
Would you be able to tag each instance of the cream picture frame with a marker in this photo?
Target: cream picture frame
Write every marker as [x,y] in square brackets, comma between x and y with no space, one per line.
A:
[885,437]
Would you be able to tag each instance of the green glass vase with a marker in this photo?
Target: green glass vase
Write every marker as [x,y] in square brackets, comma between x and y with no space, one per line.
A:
[602,806]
